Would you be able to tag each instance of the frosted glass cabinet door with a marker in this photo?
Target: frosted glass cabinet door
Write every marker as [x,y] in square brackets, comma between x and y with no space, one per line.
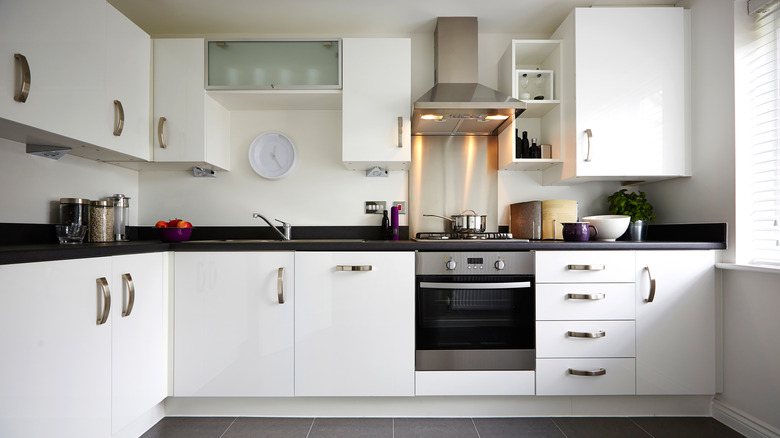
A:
[55,372]
[354,329]
[274,64]
[232,335]
[630,91]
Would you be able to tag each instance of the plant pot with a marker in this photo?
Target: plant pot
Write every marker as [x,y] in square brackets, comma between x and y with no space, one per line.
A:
[637,231]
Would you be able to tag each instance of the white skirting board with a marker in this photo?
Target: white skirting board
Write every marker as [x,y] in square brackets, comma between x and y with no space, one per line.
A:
[742,422]
[143,423]
[452,407]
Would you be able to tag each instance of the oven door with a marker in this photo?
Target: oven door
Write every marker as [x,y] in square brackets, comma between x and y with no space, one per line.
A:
[475,322]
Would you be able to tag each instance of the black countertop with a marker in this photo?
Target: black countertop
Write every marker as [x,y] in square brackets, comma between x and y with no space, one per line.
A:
[666,237]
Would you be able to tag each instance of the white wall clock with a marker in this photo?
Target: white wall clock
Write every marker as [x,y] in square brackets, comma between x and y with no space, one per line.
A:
[272,155]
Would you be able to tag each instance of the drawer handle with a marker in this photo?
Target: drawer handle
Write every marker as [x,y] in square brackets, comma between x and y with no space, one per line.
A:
[128,279]
[585,267]
[24,78]
[160,135]
[354,268]
[280,285]
[650,298]
[598,334]
[587,373]
[586,296]
[103,316]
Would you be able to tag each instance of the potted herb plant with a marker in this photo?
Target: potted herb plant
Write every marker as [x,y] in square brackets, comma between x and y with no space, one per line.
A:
[633,204]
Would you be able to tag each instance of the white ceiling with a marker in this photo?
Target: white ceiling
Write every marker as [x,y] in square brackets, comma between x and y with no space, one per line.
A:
[336,18]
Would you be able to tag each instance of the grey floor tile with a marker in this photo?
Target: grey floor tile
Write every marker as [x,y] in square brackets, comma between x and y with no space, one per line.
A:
[189,427]
[352,428]
[685,427]
[250,427]
[434,428]
[599,427]
[517,427]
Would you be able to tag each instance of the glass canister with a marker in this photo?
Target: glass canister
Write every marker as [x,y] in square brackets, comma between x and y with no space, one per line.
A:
[121,205]
[101,221]
[74,211]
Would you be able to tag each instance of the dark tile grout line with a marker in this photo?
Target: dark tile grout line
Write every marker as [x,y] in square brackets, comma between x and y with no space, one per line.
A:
[475,427]
[558,427]
[311,426]
[640,427]
[228,428]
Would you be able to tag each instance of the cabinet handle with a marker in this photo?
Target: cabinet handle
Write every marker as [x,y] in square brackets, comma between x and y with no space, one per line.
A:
[598,334]
[103,316]
[589,134]
[585,267]
[400,132]
[587,373]
[652,286]
[160,125]
[586,296]
[24,78]
[280,285]
[119,118]
[356,268]
[130,294]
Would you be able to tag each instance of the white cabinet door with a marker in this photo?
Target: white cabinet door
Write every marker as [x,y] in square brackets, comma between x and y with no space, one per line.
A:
[377,76]
[675,346]
[354,330]
[232,334]
[196,128]
[55,372]
[628,92]
[65,49]
[128,81]
[138,354]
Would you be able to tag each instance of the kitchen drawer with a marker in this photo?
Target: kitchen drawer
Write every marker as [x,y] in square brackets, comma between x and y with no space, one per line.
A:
[559,339]
[585,267]
[474,383]
[595,301]
[553,377]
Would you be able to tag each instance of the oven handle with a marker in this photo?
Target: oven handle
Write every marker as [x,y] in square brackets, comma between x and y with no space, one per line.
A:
[508,285]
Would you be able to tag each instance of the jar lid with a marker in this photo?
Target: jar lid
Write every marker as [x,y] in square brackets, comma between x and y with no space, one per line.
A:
[119,200]
[100,203]
[74,201]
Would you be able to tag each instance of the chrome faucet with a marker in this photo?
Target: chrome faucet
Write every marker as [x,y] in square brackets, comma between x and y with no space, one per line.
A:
[287,227]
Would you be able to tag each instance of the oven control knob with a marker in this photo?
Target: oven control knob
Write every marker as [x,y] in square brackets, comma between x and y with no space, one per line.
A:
[499,264]
[450,265]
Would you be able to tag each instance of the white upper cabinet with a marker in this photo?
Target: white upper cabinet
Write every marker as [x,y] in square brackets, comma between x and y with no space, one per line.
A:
[190,128]
[128,78]
[623,95]
[376,129]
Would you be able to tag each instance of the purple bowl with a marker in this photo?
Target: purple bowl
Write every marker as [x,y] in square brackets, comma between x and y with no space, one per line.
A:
[174,234]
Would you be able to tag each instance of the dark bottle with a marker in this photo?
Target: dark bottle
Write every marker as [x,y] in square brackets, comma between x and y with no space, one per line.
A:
[524,148]
[518,143]
[385,226]
[535,151]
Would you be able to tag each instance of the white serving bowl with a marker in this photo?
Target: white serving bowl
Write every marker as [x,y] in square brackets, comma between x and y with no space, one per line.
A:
[610,226]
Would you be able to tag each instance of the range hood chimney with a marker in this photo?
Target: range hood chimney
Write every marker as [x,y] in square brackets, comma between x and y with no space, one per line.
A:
[458,105]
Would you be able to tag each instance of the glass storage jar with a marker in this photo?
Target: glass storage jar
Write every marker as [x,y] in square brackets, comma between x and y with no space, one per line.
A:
[101,221]
[74,211]
[121,205]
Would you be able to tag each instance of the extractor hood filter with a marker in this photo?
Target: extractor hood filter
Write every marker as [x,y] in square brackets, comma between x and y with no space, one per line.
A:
[457,104]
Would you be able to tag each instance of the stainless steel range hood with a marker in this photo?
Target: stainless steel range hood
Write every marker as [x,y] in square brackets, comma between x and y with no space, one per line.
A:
[457,104]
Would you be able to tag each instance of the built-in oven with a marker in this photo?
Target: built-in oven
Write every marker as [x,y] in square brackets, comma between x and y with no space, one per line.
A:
[475,311]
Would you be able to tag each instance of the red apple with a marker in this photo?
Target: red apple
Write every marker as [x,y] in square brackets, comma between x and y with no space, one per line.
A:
[174,223]
[161,224]
[184,224]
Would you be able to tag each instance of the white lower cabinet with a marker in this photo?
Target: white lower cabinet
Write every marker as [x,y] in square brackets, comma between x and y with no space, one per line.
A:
[585,376]
[467,383]
[676,330]
[354,324]
[233,324]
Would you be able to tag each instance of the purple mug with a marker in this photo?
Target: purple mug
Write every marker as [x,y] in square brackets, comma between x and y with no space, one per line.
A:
[578,231]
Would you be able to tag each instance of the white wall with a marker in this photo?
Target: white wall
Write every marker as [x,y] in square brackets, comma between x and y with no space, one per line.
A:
[31,186]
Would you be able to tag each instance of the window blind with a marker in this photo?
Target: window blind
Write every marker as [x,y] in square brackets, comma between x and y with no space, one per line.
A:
[764,144]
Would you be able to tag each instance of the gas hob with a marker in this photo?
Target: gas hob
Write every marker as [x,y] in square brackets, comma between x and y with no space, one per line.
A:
[463,237]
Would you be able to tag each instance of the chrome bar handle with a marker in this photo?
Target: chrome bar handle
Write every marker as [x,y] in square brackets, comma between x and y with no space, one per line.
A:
[128,279]
[400,132]
[119,118]
[160,137]
[280,285]
[587,373]
[589,134]
[586,296]
[585,267]
[23,78]
[103,316]
[652,286]
[354,268]
[593,335]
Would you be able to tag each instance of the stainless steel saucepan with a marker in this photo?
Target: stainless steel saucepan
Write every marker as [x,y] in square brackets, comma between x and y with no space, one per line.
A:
[465,223]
